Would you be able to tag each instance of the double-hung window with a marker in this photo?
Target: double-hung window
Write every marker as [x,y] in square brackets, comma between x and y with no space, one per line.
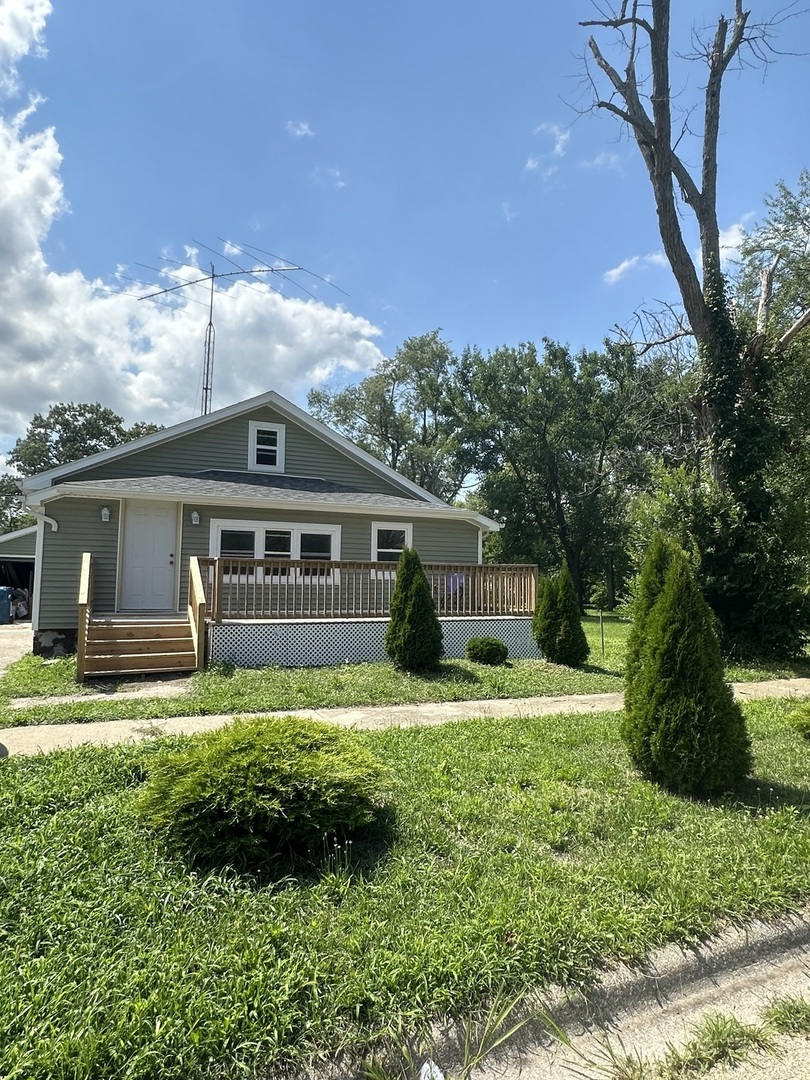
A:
[266,448]
[388,538]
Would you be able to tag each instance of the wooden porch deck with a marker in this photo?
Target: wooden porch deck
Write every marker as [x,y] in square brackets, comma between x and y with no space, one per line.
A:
[265,590]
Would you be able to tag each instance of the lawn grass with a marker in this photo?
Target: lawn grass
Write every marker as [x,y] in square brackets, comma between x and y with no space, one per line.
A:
[223,689]
[520,852]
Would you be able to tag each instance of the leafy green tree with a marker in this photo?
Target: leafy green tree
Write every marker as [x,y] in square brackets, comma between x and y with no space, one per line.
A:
[68,432]
[556,440]
[414,636]
[684,730]
[403,415]
[12,514]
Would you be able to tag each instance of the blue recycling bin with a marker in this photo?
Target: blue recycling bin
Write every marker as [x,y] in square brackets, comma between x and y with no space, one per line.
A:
[5,604]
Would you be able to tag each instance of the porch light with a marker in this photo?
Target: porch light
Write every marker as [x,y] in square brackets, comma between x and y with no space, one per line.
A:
[195,518]
[105,513]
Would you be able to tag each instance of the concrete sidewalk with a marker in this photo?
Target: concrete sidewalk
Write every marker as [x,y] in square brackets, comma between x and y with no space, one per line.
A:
[42,738]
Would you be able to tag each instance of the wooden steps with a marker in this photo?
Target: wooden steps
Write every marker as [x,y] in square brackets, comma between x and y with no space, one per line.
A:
[120,646]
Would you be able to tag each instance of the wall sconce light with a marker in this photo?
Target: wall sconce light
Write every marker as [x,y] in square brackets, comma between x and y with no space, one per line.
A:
[195,518]
[105,513]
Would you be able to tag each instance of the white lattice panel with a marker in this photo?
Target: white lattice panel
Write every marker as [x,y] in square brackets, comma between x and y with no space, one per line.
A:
[309,643]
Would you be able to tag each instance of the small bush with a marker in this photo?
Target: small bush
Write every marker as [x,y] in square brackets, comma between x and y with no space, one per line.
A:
[684,730]
[259,788]
[557,624]
[413,639]
[487,650]
[800,719]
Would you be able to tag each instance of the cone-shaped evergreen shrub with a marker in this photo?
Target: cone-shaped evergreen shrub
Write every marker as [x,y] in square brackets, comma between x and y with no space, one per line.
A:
[556,624]
[572,646]
[258,788]
[685,730]
[649,587]
[413,639]
[546,618]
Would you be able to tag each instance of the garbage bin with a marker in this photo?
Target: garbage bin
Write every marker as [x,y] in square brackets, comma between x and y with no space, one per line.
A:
[5,604]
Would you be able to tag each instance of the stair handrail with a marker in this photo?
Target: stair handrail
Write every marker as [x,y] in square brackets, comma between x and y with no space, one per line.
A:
[85,612]
[196,609]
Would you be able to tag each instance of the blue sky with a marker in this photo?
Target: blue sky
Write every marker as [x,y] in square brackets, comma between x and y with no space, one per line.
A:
[429,159]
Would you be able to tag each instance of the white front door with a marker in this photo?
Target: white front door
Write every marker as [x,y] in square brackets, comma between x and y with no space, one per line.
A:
[149,557]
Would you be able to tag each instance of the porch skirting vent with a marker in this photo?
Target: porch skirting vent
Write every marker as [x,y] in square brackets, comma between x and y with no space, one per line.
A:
[312,643]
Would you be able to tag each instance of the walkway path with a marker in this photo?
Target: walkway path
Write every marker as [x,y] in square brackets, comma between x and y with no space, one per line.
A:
[41,738]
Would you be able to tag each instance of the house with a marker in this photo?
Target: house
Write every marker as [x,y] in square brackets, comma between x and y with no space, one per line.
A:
[255,535]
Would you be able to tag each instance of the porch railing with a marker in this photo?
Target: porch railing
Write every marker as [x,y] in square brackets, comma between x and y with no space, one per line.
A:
[85,612]
[196,610]
[317,589]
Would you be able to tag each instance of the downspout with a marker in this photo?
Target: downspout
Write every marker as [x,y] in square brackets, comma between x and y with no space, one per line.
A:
[54,524]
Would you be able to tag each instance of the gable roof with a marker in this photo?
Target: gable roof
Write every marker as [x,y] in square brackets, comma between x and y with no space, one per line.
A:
[33,484]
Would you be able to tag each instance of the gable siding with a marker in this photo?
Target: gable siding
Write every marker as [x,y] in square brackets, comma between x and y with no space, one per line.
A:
[80,529]
[21,547]
[225,446]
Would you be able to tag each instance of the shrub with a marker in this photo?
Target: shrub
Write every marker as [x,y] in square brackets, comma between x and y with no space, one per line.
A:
[685,731]
[648,588]
[261,787]
[413,639]
[557,624]
[800,719]
[487,650]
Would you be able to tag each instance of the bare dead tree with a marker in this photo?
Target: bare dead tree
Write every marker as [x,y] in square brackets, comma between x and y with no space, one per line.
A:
[640,97]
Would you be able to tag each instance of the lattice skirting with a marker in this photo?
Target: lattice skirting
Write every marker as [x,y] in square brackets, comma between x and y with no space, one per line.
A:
[308,643]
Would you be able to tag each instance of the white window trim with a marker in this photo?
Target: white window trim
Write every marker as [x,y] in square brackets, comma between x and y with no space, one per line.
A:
[295,528]
[255,426]
[400,526]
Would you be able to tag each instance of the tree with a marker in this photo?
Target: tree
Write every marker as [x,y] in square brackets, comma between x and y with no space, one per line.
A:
[12,514]
[683,728]
[733,403]
[68,432]
[555,440]
[402,414]
[413,639]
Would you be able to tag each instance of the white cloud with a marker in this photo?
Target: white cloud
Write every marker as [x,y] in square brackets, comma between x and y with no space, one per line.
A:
[559,135]
[21,25]
[508,212]
[605,160]
[299,128]
[635,262]
[532,164]
[66,338]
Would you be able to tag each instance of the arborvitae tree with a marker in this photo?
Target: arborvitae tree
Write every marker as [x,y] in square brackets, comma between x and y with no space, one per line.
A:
[685,730]
[649,587]
[414,636]
[572,645]
[546,618]
[556,625]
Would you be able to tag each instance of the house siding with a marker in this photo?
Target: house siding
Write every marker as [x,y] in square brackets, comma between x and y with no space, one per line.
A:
[80,529]
[21,547]
[436,541]
[226,446]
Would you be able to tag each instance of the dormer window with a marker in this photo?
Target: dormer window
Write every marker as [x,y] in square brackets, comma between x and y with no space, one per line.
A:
[266,451]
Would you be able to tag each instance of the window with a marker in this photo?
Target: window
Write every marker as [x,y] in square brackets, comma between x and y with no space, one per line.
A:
[274,540]
[266,450]
[388,538]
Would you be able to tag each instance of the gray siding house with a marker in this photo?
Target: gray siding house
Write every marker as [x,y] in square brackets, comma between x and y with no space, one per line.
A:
[276,534]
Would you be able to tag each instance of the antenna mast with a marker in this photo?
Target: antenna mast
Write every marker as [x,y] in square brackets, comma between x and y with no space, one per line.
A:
[208,354]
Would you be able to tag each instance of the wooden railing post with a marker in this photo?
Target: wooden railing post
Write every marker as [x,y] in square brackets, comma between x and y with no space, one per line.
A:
[218,570]
[196,610]
[85,603]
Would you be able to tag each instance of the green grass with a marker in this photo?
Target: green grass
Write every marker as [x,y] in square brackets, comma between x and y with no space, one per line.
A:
[789,1015]
[718,1040]
[226,690]
[520,852]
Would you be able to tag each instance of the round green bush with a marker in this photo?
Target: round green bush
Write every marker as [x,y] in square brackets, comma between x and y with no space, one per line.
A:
[486,650]
[260,788]
[799,719]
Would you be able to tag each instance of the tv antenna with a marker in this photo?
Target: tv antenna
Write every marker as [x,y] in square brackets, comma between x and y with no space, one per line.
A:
[237,275]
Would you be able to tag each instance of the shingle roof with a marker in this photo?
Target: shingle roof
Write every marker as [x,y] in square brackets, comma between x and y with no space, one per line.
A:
[218,484]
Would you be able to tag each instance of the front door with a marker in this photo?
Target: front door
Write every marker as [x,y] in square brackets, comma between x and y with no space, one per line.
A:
[149,557]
